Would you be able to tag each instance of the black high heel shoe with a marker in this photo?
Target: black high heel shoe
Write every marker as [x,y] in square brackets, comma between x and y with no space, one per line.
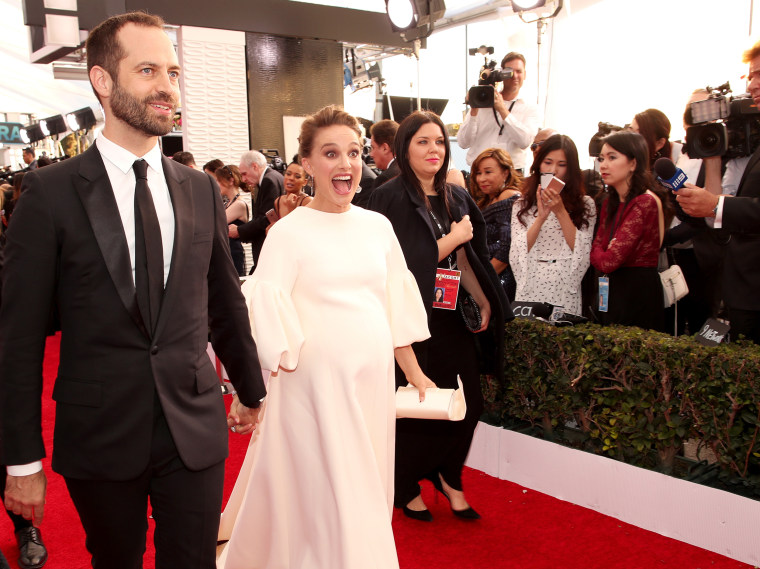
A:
[419,515]
[468,514]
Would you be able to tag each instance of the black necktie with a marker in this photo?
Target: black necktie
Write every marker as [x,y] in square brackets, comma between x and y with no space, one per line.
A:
[149,256]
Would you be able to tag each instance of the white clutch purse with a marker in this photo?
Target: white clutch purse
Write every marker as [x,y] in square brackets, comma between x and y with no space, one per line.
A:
[443,404]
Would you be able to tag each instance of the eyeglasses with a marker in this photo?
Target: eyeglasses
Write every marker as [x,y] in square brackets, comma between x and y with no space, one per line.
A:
[535,145]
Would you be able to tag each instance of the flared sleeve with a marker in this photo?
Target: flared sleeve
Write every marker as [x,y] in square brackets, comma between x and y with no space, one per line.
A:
[406,312]
[275,324]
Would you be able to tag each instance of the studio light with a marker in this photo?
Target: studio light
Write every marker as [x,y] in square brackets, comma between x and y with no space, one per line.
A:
[32,133]
[53,125]
[414,15]
[82,119]
[402,13]
[521,5]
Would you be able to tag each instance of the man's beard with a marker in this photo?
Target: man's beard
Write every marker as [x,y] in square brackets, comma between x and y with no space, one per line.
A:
[135,113]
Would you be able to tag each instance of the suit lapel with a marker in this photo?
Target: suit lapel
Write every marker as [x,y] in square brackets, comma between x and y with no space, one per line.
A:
[182,204]
[751,164]
[95,191]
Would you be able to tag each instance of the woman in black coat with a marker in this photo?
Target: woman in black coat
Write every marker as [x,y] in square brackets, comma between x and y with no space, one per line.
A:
[440,227]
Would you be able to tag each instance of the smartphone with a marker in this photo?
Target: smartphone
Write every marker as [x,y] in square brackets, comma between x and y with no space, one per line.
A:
[272,216]
[555,184]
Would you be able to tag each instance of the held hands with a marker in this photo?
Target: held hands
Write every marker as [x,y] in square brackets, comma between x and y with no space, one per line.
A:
[695,201]
[241,419]
[462,230]
[233,231]
[25,496]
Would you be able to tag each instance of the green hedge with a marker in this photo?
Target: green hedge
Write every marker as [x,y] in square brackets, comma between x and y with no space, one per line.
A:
[632,394]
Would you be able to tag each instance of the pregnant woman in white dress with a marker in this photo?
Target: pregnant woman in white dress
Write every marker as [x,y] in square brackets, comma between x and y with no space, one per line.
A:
[331,302]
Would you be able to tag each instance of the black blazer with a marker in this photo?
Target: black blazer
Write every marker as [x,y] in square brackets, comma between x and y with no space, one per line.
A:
[389,173]
[254,231]
[66,246]
[741,217]
[401,204]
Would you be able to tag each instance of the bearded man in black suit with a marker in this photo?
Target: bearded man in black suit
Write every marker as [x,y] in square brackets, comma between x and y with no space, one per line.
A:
[139,409]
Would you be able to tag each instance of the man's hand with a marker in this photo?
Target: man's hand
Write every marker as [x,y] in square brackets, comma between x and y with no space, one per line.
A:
[499,105]
[232,231]
[25,496]
[697,202]
[241,419]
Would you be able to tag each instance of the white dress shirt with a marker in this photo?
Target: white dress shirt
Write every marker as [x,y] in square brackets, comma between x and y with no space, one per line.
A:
[482,131]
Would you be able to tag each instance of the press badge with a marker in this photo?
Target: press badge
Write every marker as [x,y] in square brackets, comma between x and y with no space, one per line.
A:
[604,293]
[446,288]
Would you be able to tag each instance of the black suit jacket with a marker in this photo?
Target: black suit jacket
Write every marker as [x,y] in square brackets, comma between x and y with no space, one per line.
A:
[367,184]
[741,217]
[66,246]
[254,232]
[388,174]
[406,210]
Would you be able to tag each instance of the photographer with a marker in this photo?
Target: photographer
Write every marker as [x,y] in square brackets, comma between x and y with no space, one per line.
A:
[739,216]
[511,124]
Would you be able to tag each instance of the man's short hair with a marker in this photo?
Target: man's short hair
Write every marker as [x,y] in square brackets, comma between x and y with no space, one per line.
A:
[751,53]
[384,132]
[213,165]
[185,158]
[511,56]
[103,47]
[29,150]
[253,157]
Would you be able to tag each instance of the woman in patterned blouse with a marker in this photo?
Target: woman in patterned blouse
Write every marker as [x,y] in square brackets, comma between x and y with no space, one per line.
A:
[552,229]
[495,185]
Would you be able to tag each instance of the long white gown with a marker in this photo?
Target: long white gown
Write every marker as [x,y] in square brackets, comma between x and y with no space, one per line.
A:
[331,298]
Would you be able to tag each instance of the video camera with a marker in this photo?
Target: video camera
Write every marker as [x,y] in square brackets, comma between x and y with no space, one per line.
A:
[481,96]
[595,144]
[724,125]
[274,159]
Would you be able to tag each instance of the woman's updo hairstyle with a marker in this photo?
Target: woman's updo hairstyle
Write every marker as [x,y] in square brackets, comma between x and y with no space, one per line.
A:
[328,116]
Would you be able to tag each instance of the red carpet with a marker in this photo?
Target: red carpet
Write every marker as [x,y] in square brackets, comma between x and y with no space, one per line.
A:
[520,529]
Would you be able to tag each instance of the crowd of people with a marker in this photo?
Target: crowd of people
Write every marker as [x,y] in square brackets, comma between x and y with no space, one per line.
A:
[360,283]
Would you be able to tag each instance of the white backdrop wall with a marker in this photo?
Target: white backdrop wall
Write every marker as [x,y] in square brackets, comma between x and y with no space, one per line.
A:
[601,60]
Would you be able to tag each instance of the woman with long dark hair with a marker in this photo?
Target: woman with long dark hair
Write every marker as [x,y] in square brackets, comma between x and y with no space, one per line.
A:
[441,232]
[552,229]
[230,185]
[495,185]
[626,248]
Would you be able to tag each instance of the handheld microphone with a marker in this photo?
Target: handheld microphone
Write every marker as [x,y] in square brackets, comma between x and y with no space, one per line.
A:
[669,175]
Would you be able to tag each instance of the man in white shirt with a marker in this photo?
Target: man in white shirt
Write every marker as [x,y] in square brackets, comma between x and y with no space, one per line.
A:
[511,124]
[139,414]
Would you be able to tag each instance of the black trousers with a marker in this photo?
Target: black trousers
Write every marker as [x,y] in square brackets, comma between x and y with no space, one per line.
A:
[186,506]
[746,322]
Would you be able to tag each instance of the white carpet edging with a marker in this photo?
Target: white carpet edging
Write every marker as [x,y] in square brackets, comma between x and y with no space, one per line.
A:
[698,515]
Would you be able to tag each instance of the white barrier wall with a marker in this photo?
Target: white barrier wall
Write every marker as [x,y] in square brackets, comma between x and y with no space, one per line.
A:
[705,517]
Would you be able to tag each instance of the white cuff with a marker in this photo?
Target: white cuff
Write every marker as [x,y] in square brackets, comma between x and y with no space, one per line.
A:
[24,469]
[718,223]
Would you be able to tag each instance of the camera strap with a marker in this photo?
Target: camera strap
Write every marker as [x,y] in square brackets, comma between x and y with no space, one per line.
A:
[496,116]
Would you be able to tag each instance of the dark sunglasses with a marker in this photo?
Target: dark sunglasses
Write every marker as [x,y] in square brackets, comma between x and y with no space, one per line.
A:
[535,145]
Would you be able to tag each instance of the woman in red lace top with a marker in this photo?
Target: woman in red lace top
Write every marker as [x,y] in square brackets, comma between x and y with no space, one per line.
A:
[627,244]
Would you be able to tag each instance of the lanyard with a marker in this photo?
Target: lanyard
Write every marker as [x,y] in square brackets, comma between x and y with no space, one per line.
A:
[501,125]
[442,231]
[615,222]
